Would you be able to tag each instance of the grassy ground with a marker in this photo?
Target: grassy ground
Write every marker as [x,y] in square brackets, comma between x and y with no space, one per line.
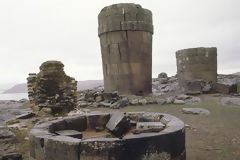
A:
[213,137]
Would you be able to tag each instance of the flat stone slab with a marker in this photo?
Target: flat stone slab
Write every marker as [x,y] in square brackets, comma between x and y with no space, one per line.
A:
[196,111]
[118,124]
[148,125]
[70,133]
[26,115]
[230,101]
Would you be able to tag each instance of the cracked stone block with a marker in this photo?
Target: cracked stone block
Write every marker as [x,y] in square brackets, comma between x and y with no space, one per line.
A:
[118,124]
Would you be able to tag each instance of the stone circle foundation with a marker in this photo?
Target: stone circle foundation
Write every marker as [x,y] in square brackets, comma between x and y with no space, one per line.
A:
[84,137]
[125,31]
[195,65]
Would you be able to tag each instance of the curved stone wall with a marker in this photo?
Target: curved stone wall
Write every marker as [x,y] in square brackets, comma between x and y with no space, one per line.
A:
[47,144]
[197,64]
[125,31]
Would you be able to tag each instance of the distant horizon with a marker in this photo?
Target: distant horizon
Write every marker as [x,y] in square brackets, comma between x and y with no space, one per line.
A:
[4,87]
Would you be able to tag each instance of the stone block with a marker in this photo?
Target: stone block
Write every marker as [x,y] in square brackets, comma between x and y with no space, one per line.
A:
[62,148]
[149,125]
[70,133]
[225,88]
[76,123]
[118,124]
[12,156]
[26,115]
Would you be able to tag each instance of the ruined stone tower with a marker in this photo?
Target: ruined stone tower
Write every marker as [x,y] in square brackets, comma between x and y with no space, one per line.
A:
[196,64]
[52,88]
[125,32]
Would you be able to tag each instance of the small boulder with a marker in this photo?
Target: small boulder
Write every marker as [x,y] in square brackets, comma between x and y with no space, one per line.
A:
[143,101]
[6,133]
[196,111]
[180,102]
[163,75]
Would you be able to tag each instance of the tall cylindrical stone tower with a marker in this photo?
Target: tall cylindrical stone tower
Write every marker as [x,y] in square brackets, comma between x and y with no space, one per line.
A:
[125,32]
[197,64]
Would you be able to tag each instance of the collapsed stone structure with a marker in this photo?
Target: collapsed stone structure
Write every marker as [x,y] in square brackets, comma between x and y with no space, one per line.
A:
[196,67]
[52,88]
[125,32]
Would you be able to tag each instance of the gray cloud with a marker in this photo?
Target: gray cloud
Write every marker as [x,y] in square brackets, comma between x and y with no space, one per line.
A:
[34,31]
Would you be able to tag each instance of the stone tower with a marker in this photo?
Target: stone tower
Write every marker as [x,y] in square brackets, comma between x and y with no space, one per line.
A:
[125,32]
[196,64]
[52,88]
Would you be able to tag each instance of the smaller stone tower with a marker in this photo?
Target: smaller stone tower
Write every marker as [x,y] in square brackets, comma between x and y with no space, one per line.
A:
[52,88]
[196,64]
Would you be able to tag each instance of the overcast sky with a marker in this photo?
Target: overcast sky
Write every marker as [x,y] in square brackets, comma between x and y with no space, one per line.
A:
[33,31]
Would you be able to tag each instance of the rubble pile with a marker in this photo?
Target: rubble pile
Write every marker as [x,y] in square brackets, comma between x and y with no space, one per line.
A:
[163,93]
[228,84]
[52,88]
[165,85]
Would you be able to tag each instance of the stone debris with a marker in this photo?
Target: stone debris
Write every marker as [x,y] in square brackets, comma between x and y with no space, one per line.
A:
[52,88]
[25,115]
[6,133]
[70,133]
[180,102]
[150,125]
[227,84]
[196,111]
[148,130]
[230,101]
[11,156]
[118,124]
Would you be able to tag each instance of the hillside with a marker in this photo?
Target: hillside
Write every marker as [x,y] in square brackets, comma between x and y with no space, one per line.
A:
[238,73]
[19,88]
[82,85]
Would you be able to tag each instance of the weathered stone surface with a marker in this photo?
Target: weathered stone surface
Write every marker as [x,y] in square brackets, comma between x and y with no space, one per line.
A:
[142,101]
[123,29]
[6,133]
[12,156]
[180,102]
[120,103]
[238,88]
[52,88]
[70,133]
[25,115]
[118,124]
[46,145]
[62,148]
[149,125]
[230,101]
[225,88]
[162,75]
[196,64]
[197,111]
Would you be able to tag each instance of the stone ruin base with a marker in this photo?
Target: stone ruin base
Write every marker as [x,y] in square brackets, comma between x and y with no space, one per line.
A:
[104,136]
